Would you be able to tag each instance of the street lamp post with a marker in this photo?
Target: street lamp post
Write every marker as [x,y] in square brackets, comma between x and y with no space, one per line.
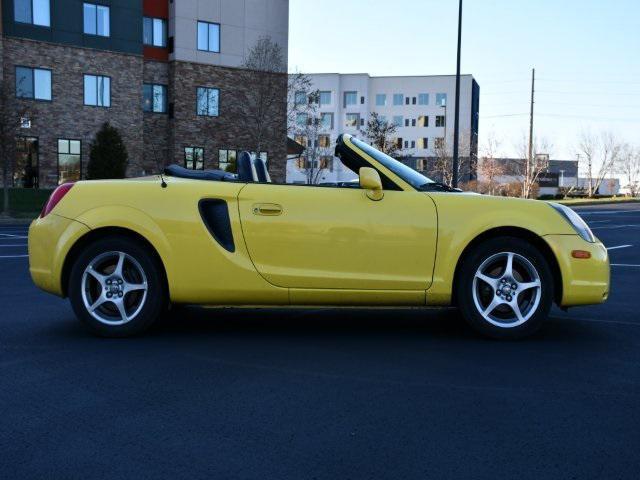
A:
[456,126]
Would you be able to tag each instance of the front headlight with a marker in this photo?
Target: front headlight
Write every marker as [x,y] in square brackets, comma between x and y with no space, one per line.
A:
[575,220]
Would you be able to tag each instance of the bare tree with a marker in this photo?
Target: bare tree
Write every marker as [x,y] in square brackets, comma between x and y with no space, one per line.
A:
[309,130]
[382,135]
[299,84]
[443,164]
[600,153]
[264,79]
[11,118]
[529,169]
[489,166]
[629,165]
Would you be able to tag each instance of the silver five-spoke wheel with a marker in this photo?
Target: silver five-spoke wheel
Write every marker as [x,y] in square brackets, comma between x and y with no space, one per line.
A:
[506,289]
[114,288]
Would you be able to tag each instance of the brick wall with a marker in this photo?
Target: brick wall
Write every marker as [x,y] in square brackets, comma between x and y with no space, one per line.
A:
[231,129]
[66,116]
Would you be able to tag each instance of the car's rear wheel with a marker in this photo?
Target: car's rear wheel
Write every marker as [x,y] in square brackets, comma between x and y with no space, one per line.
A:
[116,287]
[505,288]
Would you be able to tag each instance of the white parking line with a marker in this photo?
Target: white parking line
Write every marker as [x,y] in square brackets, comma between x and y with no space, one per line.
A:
[619,246]
[13,256]
[606,212]
[15,245]
[599,221]
[624,265]
[12,236]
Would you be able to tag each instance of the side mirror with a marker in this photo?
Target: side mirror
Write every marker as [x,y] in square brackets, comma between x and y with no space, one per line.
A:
[370,181]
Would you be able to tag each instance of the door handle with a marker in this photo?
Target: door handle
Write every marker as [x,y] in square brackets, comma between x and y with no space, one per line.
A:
[268,209]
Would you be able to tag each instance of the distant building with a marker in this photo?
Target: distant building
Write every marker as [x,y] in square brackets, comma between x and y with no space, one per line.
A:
[422,107]
[165,73]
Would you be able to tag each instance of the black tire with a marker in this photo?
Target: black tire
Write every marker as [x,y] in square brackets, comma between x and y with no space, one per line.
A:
[471,263]
[150,306]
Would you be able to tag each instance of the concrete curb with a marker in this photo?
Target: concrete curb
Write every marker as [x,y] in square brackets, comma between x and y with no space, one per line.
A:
[599,202]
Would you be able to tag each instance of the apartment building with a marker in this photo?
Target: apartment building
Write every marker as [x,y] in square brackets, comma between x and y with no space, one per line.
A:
[421,107]
[165,73]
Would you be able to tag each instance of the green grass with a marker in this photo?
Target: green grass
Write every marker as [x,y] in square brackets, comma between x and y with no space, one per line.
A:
[25,202]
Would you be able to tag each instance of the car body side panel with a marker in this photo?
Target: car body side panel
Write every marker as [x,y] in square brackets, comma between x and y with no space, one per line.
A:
[338,238]
[50,240]
[584,281]
[199,269]
[464,217]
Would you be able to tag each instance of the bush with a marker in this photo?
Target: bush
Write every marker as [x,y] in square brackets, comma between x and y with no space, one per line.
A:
[547,197]
[108,157]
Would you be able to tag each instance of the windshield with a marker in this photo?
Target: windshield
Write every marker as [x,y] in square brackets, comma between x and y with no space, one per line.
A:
[408,174]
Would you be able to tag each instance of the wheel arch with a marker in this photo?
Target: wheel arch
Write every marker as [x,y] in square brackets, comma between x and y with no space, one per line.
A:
[99,233]
[518,232]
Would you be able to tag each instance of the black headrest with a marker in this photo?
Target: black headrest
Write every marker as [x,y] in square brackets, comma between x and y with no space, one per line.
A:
[181,172]
[261,170]
[245,172]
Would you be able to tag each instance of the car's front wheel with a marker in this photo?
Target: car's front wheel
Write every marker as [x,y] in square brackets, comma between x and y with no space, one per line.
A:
[505,288]
[116,287]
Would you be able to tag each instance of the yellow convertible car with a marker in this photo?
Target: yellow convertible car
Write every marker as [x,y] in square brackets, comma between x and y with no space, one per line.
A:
[123,251]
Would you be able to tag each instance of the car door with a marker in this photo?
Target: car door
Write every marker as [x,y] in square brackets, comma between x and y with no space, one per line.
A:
[337,238]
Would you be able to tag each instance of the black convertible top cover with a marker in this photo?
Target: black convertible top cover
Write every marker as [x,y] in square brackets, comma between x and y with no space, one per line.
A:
[215,175]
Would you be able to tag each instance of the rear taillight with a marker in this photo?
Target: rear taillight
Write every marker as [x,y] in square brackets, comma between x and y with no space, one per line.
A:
[55,198]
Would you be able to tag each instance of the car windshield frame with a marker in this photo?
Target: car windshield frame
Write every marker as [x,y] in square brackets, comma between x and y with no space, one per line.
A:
[406,173]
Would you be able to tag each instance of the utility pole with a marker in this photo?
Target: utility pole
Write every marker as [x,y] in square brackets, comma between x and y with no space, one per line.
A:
[456,126]
[530,156]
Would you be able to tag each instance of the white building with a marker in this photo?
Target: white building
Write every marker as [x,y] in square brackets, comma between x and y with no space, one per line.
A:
[422,107]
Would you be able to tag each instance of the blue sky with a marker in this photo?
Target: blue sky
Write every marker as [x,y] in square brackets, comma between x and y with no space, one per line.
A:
[586,54]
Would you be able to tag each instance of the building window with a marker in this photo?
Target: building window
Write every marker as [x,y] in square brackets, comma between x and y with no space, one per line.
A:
[96,19]
[413,144]
[439,142]
[194,158]
[207,101]
[350,98]
[35,12]
[154,98]
[440,121]
[227,160]
[97,91]
[397,120]
[154,32]
[423,121]
[382,118]
[25,172]
[423,99]
[326,163]
[407,101]
[209,37]
[33,83]
[399,142]
[300,98]
[326,120]
[406,122]
[69,161]
[413,122]
[413,101]
[353,120]
[421,164]
[302,119]
[398,98]
[381,100]
[441,99]
[406,144]
[301,140]
[423,143]
[324,141]
[325,98]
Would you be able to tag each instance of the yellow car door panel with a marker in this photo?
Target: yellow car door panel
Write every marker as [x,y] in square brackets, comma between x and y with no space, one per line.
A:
[338,238]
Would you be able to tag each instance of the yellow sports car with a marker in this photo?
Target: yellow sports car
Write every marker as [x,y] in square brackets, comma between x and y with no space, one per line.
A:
[123,251]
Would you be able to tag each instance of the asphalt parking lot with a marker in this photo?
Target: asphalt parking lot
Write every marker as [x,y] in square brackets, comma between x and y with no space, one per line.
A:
[326,394]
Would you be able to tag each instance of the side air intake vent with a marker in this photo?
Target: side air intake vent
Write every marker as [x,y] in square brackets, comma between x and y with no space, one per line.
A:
[215,215]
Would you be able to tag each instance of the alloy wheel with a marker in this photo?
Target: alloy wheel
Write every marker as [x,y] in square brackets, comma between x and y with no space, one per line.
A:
[114,288]
[507,289]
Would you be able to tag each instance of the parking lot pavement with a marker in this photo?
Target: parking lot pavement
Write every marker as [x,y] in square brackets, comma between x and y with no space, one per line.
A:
[335,394]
